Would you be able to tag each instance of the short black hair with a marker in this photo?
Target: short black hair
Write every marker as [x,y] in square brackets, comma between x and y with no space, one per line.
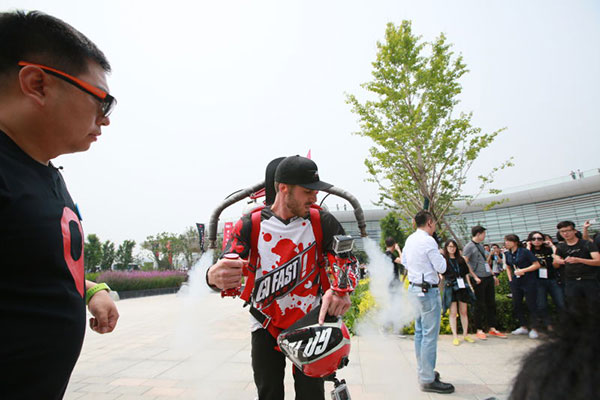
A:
[390,241]
[513,238]
[43,39]
[476,230]
[566,365]
[422,218]
[565,224]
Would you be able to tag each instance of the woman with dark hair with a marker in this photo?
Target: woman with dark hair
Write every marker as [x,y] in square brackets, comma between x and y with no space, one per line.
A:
[521,267]
[456,290]
[547,282]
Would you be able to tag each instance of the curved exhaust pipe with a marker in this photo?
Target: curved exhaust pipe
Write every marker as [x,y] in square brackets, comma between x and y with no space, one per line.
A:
[231,199]
[358,211]
[237,196]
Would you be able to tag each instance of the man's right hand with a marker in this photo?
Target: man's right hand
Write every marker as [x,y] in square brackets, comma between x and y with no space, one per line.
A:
[477,280]
[226,273]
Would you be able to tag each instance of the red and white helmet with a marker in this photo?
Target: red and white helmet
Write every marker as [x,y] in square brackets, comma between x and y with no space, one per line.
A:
[317,350]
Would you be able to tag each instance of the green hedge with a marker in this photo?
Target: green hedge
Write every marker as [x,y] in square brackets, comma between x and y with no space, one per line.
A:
[362,302]
[142,280]
[92,276]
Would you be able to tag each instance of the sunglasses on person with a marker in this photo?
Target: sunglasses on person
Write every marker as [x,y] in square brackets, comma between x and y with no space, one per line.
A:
[107,102]
[537,238]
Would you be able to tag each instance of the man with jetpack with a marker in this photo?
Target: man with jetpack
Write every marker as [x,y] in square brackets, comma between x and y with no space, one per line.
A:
[299,268]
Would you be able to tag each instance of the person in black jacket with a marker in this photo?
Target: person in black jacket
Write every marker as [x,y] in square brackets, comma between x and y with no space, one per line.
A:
[53,100]
[457,288]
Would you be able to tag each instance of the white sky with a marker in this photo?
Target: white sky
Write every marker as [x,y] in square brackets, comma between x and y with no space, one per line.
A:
[210,91]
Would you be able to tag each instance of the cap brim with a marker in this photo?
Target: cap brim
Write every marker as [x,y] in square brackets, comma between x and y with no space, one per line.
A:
[319,185]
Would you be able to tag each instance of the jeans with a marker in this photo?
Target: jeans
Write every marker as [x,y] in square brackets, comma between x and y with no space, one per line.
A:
[549,287]
[485,305]
[524,287]
[269,370]
[427,329]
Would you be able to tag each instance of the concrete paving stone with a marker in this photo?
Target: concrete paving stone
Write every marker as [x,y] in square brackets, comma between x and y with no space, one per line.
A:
[137,390]
[231,372]
[166,392]
[194,355]
[72,395]
[500,389]
[456,395]
[128,382]
[160,382]
[147,369]
[97,388]
[75,386]
[100,396]
[187,370]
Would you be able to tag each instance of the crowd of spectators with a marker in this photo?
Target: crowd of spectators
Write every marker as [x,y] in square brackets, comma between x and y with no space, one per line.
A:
[566,269]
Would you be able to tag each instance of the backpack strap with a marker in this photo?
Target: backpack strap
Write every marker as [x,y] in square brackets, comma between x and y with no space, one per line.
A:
[255,218]
[315,221]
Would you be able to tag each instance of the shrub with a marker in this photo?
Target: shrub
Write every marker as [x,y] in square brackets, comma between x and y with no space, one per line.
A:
[141,280]
[362,303]
[92,276]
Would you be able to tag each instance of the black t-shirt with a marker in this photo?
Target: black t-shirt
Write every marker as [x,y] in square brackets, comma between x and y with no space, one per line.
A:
[581,249]
[521,258]
[396,266]
[456,268]
[42,308]
[544,257]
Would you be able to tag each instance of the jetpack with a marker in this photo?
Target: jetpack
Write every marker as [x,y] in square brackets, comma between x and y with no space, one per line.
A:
[317,350]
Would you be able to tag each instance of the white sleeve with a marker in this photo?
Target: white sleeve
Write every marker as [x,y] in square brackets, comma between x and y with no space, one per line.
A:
[437,260]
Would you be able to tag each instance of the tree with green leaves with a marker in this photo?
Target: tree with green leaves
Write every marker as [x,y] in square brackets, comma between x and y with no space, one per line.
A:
[124,254]
[190,244]
[108,255]
[390,227]
[92,256]
[164,248]
[422,152]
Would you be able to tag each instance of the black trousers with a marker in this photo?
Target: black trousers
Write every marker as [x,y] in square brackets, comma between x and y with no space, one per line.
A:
[527,288]
[268,365]
[587,289]
[485,306]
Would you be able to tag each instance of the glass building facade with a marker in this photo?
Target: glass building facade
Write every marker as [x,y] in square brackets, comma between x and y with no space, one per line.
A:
[534,207]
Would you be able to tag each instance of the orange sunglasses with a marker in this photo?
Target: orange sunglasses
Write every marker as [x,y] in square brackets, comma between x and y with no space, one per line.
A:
[107,101]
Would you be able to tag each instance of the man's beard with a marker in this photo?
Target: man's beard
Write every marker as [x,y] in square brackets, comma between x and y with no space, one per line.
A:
[295,206]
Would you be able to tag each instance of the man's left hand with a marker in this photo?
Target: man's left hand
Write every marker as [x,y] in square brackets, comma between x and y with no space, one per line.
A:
[105,313]
[333,304]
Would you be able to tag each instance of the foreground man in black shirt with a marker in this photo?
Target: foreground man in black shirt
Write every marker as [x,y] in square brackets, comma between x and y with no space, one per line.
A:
[53,101]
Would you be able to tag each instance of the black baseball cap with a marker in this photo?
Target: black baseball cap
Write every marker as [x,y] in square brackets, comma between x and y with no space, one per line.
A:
[296,170]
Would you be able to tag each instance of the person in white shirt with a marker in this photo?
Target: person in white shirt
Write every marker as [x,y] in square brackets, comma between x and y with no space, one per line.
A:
[423,261]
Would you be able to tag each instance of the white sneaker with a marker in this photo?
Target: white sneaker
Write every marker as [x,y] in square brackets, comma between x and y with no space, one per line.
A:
[520,331]
[533,334]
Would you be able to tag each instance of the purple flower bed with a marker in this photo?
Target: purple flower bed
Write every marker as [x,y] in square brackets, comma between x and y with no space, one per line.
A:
[142,280]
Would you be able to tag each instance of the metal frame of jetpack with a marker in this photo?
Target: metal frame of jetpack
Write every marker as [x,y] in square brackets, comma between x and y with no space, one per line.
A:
[248,192]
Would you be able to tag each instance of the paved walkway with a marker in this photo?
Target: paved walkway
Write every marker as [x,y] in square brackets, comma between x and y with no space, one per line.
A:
[168,347]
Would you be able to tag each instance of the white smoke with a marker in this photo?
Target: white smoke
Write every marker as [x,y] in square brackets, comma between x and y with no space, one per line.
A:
[394,307]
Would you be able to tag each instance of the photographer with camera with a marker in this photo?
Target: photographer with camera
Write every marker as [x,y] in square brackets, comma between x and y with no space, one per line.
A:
[423,261]
[287,244]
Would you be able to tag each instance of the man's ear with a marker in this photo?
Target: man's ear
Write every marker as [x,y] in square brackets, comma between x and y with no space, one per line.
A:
[283,188]
[33,83]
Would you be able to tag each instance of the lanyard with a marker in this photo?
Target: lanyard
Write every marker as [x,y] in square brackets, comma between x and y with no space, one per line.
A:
[455,266]
[513,258]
